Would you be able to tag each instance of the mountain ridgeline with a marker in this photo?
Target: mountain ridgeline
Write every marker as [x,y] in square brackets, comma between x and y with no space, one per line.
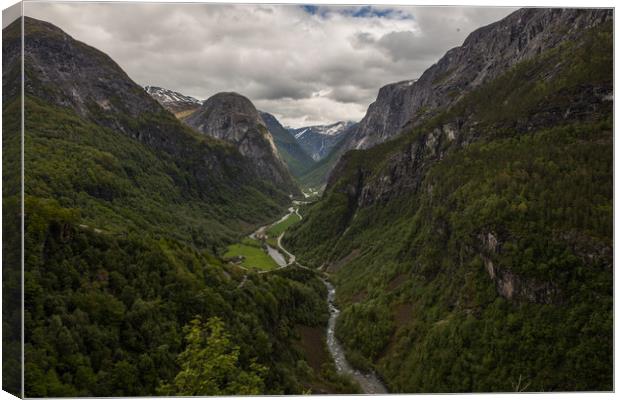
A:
[233,118]
[486,53]
[468,228]
[127,211]
[319,140]
[132,147]
[175,102]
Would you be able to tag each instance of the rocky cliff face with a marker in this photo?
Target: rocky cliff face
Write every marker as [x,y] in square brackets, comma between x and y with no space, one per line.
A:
[63,72]
[233,118]
[72,74]
[510,285]
[556,83]
[485,54]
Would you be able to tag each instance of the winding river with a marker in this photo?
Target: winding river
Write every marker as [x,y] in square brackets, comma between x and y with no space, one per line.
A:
[369,382]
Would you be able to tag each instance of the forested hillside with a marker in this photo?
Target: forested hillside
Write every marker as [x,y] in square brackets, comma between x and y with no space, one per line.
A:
[473,252]
[126,211]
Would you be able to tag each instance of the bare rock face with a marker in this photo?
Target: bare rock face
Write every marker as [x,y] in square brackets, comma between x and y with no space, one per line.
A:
[233,118]
[72,74]
[63,72]
[510,285]
[296,158]
[486,53]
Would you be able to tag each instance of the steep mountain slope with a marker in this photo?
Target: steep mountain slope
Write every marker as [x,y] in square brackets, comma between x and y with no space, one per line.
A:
[474,251]
[296,158]
[319,140]
[233,118]
[175,102]
[130,139]
[125,210]
[485,54]
[316,177]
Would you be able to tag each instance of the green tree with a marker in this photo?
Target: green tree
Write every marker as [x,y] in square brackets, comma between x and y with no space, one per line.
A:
[210,364]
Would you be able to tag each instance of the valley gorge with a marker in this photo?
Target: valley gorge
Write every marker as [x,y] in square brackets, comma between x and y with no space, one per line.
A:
[433,240]
[457,239]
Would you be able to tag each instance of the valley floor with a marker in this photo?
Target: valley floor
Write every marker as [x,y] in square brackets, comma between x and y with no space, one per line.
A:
[266,243]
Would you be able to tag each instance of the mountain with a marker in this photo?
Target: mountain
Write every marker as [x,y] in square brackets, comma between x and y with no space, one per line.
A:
[485,54]
[175,102]
[233,118]
[316,177]
[319,140]
[70,79]
[297,160]
[182,106]
[469,231]
[126,211]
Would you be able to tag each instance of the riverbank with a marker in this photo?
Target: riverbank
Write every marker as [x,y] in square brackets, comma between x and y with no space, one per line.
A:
[283,258]
[368,382]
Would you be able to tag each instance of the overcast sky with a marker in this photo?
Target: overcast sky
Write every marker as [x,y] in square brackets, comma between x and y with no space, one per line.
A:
[304,64]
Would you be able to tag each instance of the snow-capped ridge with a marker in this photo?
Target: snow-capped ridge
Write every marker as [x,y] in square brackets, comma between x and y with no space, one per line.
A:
[318,140]
[171,100]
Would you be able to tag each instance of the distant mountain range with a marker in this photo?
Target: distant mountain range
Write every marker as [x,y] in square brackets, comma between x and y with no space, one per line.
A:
[319,140]
[299,148]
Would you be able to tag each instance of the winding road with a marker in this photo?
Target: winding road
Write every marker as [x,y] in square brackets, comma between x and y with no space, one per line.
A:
[369,382]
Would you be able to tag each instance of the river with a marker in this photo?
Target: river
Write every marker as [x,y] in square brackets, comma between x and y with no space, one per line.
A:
[369,382]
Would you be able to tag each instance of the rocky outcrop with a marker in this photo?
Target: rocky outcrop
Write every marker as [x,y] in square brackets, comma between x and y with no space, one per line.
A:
[233,118]
[486,53]
[71,74]
[510,285]
[404,170]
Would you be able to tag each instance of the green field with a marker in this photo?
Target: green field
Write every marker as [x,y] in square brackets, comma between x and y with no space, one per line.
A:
[275,230]
[254,257]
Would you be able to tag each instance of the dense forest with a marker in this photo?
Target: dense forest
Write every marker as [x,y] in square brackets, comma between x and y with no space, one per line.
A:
[110,307]
[126,220]
[490,270]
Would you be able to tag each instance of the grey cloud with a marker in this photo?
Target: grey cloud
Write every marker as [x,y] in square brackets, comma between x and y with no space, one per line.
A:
[402,45]
[305,69]
[350,94]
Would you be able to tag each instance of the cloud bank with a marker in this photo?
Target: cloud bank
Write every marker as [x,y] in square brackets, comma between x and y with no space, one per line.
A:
[305,64]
